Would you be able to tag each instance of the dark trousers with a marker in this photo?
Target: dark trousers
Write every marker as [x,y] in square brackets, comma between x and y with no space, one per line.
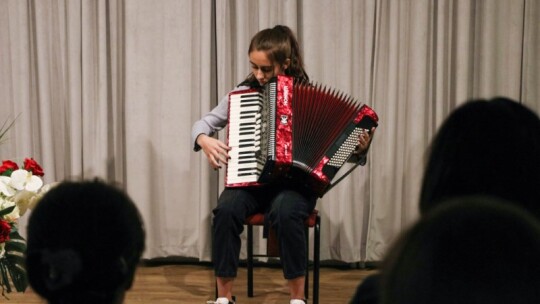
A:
[286,209]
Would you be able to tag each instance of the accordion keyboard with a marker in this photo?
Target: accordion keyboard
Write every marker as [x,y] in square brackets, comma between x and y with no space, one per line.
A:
[244,137]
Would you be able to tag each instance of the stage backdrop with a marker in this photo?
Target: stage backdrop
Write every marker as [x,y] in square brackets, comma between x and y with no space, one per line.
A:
[110,89]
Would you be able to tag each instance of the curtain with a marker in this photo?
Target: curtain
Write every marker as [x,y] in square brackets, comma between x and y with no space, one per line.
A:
[168,84]
[110,89]
[431,56]
[62,79]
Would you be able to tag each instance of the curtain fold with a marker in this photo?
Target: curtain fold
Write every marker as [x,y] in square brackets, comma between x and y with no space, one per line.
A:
[110,89]
[59,82]
[530,74]
[338,52]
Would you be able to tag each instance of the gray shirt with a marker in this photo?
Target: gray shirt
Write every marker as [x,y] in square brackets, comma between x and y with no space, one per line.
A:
[214,120]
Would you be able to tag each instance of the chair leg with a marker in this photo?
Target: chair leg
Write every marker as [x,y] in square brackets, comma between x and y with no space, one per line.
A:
[316,260]
[250,260]
[306,284]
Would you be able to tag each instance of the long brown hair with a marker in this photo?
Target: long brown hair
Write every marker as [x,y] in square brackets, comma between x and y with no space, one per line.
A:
[279,43]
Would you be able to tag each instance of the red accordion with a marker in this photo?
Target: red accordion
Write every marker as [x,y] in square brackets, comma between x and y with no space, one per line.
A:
[290,130]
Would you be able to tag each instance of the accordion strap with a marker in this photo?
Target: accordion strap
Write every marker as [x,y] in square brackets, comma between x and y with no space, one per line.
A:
[359,162]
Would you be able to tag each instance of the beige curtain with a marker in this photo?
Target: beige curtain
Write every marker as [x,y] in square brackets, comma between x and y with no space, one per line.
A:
[62,75]
[110,88]
[169,72]
[62,72]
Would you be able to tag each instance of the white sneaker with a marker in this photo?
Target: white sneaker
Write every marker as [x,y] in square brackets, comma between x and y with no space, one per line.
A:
[296,301]
[221,301]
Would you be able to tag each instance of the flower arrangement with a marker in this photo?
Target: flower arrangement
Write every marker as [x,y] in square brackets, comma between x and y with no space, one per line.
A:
[20,190]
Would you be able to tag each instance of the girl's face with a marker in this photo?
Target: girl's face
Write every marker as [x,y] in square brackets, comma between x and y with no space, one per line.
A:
[263,69]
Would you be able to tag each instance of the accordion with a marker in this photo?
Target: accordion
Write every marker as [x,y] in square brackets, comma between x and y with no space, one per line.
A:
[292,131]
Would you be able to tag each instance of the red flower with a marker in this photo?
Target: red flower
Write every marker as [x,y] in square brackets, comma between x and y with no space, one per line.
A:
[8,167]
[31,165]
[5,229]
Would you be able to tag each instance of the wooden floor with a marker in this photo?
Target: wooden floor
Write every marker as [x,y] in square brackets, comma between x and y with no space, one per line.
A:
[195,284]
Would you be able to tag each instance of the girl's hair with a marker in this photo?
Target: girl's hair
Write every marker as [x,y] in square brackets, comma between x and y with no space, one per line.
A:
[279,43]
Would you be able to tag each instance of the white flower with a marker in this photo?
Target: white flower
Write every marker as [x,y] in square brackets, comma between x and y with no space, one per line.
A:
[5,203]
[32,202]
[23,199]
[5,187]
[13,215]
[25,180]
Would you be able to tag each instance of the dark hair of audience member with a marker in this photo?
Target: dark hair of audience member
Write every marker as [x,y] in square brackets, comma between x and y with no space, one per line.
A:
[85,240]
[480,250]
[485,147]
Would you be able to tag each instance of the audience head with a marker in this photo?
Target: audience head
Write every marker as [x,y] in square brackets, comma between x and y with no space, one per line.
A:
[85,240]
[485,147]
[466,250]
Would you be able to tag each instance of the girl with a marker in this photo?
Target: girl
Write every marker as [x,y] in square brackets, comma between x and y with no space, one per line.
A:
[271,52]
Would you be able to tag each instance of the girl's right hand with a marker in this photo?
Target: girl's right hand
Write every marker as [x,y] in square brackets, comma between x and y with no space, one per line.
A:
[215,150]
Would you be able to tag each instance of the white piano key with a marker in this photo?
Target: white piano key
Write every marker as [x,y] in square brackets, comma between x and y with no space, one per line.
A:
[244,179]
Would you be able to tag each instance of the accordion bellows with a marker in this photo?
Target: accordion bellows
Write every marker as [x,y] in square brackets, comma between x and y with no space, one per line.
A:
[292,131]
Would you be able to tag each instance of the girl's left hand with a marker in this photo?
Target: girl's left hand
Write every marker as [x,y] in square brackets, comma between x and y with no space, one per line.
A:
[364,140]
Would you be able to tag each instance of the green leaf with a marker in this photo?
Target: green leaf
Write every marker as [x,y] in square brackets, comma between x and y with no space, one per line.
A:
[6,211]
[4,280]
[7,172]
[12,264]
[5,127]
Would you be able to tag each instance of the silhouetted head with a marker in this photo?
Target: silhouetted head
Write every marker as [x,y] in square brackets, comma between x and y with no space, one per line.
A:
[485,147]
[85,240]
[466,250]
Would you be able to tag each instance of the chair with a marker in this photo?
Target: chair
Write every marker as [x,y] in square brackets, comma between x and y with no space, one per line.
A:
[313,221]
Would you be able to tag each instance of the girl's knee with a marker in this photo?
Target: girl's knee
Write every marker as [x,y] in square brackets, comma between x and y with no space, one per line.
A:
[288,205]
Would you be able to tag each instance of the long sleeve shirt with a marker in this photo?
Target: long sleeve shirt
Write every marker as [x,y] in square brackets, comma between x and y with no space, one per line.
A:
[214,120]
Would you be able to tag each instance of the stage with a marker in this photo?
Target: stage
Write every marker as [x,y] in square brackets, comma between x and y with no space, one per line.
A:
[194,283]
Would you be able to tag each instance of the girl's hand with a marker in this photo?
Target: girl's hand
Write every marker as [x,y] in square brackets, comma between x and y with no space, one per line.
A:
[364,139]
[215,150]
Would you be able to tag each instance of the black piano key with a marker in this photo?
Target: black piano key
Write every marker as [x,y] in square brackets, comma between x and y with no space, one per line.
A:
[246,161]
[245,152]
[248,112]
[246,174]
[247,128]
[245,169]
[247,116]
